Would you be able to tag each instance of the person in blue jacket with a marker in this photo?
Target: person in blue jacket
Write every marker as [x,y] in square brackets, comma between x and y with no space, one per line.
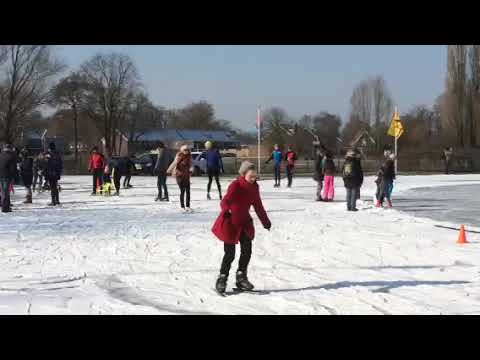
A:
[214,167]
[277,157]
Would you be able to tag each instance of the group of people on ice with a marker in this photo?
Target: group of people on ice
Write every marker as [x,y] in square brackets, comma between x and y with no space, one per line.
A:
[107,172]
[32,171]
[325,171]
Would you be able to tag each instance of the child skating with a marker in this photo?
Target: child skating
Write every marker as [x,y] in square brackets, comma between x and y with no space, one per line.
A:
[290,158]
[328,170]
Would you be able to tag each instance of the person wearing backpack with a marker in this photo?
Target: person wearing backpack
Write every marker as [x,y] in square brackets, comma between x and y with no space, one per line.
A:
[328,170]
[352,175]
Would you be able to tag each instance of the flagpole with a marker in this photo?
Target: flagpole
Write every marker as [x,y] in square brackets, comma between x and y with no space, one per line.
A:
[258,134]
[396,140]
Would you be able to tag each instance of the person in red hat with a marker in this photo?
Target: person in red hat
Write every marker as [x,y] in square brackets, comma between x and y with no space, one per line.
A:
[235,225]
[290,158]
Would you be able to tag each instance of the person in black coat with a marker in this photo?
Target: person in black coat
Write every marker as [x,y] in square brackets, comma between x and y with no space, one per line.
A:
[386,176]
[352,174]
[318,172]
[26,173]
[128,171]
[164,159]
[8,173]
[54,172]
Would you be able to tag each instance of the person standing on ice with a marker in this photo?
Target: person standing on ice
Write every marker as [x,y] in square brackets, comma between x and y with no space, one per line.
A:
[290,158]
[277,157]
[8,173]
[238,228]
[181,168]
[128,171]
[39,169]
[386,177]
[96,167]
[447,158]
[160,169]
[352,174]
[328,170]
[54,172]
[318,172]
[26,173]
[214,167]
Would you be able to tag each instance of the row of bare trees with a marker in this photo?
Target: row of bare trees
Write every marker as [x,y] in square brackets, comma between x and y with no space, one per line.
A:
[461,100]
[104,92]
[26,76]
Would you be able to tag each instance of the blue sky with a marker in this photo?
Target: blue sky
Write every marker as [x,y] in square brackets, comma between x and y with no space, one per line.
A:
[300,79]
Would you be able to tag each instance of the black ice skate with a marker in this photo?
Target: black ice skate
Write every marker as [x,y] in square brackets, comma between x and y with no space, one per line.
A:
[208,196]
[242,282]
[221,284]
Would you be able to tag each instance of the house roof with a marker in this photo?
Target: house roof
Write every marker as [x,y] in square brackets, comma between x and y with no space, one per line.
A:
[33,134]
[185,135]
[359,136]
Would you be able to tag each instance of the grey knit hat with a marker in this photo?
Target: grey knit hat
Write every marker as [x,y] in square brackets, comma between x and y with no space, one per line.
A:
[246,165]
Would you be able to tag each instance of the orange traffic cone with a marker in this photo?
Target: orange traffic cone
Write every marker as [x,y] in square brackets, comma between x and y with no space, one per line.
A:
[462,238]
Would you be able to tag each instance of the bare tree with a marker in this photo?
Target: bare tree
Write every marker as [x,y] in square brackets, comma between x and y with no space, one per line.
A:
[25,80]
[275,120]
[70,93]
[327,127]
[456,95]
[361,103]
[474,93]
[372,105]
[111,80]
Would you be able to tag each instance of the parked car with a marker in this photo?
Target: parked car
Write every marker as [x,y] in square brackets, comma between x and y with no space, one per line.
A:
[144,164]
[200,165]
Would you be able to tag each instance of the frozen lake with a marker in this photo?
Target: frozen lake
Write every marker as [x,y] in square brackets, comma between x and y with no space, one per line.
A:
[458,204]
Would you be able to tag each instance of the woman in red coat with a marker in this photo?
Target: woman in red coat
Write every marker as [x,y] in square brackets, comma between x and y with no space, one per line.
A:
[235,225]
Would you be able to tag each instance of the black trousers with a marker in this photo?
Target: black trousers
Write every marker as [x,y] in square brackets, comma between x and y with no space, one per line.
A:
[5,194]
[97,176]
[54,191]
[216,175]
[162,184]
[117,176]
[289,175]
[184,185]
[126,181]
[245,255]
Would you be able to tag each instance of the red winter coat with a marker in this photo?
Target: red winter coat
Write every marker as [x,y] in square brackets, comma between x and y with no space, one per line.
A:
[97,162]
[241,195]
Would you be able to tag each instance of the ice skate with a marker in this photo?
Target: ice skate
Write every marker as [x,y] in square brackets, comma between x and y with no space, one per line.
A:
[242,282]
[221,284]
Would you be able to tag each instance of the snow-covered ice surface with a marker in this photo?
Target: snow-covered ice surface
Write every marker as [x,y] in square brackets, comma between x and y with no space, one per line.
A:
[130,255]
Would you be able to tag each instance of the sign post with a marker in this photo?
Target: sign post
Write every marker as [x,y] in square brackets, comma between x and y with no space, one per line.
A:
[259,122]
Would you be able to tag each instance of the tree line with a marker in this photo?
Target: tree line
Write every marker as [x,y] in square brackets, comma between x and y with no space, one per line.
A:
[105,94]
